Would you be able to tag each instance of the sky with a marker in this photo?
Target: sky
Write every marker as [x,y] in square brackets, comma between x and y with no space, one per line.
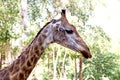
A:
[107,15]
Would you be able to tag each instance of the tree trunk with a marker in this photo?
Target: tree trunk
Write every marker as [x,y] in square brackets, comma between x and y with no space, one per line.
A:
[25,21]
[63,67]
[0,60]
[8,57]
[2,56]
[80,68]
[55,60]
[75,69]
[48,65]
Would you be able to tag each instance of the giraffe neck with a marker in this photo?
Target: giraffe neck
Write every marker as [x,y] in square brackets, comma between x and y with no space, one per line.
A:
[21,68]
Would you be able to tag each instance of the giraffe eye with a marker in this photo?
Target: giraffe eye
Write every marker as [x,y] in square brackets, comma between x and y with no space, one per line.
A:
[69,31]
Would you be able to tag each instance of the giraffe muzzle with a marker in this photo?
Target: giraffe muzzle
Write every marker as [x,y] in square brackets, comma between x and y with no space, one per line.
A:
[86,53]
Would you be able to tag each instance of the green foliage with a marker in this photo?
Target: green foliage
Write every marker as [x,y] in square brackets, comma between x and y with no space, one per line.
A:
[103,62]
[81,8]
[8,16]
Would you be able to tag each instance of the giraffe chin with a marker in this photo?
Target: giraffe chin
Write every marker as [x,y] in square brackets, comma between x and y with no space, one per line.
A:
[85,53]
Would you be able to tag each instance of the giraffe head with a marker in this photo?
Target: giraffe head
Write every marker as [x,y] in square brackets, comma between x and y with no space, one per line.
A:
[65,34]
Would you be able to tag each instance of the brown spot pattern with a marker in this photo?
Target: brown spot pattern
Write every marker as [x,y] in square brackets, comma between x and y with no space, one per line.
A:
[21,75]
[37,52]
[16,69]
[28,63]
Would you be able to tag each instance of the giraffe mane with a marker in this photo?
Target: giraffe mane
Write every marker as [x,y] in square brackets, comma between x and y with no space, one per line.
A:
[42,29]
[39,32]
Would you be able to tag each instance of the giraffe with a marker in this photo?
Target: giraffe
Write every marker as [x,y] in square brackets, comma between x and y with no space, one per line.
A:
[56,31]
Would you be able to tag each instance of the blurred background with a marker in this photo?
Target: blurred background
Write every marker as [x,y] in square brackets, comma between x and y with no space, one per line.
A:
[96,20]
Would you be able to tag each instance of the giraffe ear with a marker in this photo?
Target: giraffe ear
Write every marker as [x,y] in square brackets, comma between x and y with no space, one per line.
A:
[54,21]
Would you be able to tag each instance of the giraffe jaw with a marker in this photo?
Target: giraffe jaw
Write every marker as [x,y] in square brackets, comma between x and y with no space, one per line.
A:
[84,51]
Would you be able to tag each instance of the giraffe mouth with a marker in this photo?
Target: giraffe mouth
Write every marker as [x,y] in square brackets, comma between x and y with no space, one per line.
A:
[85,53]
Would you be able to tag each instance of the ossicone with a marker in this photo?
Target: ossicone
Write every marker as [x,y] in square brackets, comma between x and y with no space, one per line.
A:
[63,13]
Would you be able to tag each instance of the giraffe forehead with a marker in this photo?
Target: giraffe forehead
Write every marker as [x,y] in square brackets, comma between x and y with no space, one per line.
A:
[73,28]
[65,24]
[70,27]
